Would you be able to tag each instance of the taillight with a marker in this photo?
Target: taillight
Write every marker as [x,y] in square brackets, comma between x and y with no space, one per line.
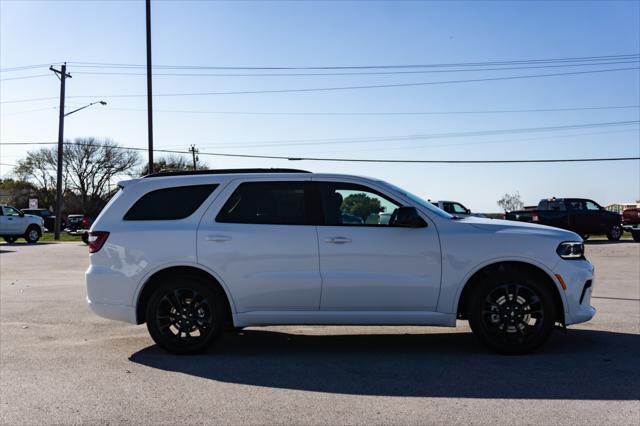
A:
[85,222]
[97,240]
[534,217]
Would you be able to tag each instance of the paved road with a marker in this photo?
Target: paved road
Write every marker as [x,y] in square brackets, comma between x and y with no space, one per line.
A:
[61,364]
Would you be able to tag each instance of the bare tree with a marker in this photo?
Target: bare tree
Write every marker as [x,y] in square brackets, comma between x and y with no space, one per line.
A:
[91,164]
[511,202]
[171,163]
[88,167]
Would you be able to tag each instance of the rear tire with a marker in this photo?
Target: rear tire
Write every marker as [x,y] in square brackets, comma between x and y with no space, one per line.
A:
[10,240]
[585,237]
[185,314]
[614,233]
[636,236]
[512,311]
[32,235]
[85,237]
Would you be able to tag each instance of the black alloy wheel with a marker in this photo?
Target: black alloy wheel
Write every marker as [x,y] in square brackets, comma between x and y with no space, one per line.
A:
[513,315]
[185,316]
[614,233]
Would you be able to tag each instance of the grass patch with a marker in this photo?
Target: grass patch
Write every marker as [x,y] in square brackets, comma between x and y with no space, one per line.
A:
[625,236]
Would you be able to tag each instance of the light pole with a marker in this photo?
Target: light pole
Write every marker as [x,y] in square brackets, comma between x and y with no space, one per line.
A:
[58,219]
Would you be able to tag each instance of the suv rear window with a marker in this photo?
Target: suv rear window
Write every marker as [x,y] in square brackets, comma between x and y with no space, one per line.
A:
[272,203]
[169,203]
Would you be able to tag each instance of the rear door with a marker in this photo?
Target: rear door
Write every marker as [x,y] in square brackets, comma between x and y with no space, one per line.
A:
[366,263]
[261,239]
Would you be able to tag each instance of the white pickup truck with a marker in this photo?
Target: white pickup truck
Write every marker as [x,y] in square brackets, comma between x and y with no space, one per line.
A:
[15,224]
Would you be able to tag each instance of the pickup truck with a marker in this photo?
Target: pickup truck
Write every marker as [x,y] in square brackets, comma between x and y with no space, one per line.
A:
[631,222]
[455,208]
[582,216]
[15,224]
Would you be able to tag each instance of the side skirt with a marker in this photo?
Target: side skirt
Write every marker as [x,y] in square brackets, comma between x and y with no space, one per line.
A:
[247,319]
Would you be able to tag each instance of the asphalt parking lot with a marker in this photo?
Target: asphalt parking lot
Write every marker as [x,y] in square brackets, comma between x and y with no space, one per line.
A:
[61,364]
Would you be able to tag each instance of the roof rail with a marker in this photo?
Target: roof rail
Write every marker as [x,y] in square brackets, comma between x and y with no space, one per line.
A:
[222,172]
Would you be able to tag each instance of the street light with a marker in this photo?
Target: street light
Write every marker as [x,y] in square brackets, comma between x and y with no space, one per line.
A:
[86,106]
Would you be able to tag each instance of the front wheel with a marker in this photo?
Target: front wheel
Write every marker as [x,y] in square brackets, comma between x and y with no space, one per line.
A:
[32,235]
[636,236]
[185,315]
[10,240]
[512,312]
[614,233]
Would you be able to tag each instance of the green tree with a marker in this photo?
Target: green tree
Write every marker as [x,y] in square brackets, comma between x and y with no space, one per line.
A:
[172,163]
[361,205]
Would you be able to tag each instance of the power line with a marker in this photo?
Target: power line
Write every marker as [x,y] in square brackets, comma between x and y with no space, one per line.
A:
[341,67]
[363,160]
[336,113]
[29,67]
[25,77]
[370,86]
[320,74]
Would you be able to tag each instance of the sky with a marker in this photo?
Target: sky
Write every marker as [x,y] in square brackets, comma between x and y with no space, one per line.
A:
[451,118]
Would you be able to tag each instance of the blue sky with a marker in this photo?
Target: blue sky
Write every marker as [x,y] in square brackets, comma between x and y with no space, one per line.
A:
[307,34]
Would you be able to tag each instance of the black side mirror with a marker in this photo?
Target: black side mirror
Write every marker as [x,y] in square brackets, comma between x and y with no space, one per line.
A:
[468,211]
[407,217]
[21,214]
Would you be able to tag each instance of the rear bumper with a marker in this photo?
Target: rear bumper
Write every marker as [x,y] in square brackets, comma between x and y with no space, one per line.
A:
[113,312]
[577,274]
[631,226]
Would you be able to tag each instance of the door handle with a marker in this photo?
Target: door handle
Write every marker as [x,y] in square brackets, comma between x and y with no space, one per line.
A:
[218,238]
[338,240]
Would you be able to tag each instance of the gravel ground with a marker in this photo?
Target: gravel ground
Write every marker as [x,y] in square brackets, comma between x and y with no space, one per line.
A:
[61,364]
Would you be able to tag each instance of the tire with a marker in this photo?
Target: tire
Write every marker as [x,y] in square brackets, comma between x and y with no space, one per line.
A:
[636,236]
[183,333]
[509,327]
[614,233]
[10,240]
[585,237]
[33,234]
[85,237]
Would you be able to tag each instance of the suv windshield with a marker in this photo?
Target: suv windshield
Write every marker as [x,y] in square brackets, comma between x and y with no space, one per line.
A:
[423,203]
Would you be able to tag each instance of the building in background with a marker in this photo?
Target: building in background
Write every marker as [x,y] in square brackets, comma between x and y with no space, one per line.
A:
[619,207]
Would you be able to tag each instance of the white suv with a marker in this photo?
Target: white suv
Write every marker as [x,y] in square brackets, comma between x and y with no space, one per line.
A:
[193,254]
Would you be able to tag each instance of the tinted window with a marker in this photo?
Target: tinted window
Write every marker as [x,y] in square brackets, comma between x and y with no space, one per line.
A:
[350,204]
[169,203]
[11,211]
[273,203]
[592,206]
[576,205]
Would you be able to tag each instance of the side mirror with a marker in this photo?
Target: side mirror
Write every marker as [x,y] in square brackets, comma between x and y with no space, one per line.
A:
[408,217]
[468,211]
[21,214]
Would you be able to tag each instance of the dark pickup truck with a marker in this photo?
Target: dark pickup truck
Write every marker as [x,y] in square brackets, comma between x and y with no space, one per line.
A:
[582,216]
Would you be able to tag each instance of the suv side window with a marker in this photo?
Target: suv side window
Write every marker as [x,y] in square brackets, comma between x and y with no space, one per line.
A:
[10,211]
[268,203]
[346,204]
[591,205]
[169,203]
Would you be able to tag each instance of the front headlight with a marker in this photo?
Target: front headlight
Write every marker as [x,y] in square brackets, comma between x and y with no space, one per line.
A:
[571,250]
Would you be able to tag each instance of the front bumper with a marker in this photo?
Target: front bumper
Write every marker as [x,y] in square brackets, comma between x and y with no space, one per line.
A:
[578,275]
[631,226]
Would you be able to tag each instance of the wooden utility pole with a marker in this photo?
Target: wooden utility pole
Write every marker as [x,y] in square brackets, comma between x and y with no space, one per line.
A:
[149,91]
[194,153]
[62,75]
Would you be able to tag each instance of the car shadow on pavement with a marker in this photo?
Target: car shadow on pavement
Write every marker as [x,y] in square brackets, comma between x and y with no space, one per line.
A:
[607,242]
[581,364]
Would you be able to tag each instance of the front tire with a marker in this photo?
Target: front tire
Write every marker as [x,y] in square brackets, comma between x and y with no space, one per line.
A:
[10,240]
[636,236]
[512,312]
[32,235]
[185,315]
[614,233]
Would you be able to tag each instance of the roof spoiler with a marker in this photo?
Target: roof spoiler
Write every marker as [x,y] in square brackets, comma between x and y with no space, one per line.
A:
[124,183]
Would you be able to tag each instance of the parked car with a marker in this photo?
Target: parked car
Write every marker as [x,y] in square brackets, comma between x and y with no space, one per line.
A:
[580,215]
[79,224]
[15,224]
[194,254]
[49,218]
[455,208]
[631,222]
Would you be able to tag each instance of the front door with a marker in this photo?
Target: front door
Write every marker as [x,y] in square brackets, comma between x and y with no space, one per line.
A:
[368,264]
[263,243]
[13,223]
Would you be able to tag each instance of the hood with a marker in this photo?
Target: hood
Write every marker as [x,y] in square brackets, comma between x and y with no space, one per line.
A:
[525,228]
[33,216]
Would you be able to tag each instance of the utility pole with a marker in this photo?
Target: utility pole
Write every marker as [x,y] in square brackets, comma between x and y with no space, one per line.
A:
[194,153]
[62,75]
[149,91]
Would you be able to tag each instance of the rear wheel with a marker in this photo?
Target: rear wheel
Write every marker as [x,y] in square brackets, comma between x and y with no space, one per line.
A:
[636,236]
[614,233]
[85,237]
[10,240]
[512,312]
[585,237]
[32,235]
[185,315]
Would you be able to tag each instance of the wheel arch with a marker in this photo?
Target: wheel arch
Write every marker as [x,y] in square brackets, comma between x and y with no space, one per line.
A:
[475,277]
[152,282]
